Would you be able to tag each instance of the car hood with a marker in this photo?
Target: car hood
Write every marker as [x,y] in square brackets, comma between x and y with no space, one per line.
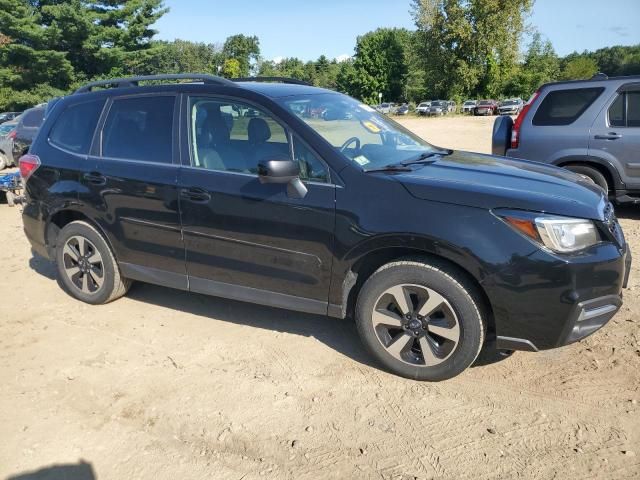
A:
[491,182]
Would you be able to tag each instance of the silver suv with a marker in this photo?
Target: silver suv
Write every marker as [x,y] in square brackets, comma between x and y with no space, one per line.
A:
[591,127]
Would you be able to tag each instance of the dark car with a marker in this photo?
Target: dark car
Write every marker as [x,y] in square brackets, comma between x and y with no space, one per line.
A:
[7,116]
[591,127]
[486,107]
[431,250]
[26,129]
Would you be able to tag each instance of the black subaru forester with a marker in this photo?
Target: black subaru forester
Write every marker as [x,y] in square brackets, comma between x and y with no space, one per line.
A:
[297,197]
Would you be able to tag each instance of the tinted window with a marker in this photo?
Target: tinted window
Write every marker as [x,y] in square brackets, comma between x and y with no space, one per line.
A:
[139,128]
[74,128]
[564,107]
[33,118]
[616,112]
[633,109]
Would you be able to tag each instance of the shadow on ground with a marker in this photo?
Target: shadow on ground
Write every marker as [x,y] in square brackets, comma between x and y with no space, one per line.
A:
[628,211]
[340,335]
[79,471]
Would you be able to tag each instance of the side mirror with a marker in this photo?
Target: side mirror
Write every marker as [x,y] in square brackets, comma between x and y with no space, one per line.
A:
[284,171]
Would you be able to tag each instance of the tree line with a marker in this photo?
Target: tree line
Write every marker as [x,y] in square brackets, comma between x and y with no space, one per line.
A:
[459,49]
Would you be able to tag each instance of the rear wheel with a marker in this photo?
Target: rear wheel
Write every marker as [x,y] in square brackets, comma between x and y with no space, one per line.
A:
[595,175]
[87,269]
[420,320]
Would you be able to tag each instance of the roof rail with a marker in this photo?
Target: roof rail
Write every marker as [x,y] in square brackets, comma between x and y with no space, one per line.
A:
[134,81]
[600,76]
[293,81]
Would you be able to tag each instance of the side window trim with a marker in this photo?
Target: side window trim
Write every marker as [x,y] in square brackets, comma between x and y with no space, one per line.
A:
[96,144]
[289,132]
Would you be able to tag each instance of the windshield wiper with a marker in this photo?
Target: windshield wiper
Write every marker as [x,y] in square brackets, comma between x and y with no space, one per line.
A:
[392,167]
[426,157]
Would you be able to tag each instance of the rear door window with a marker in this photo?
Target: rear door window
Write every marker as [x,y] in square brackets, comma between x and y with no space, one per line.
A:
[563,107]
[74,127]
[140,128]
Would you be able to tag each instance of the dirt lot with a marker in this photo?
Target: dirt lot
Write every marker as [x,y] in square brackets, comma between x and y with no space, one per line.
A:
[168,385]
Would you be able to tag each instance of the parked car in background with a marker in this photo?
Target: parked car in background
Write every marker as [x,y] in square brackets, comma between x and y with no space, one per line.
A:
[387,108]
[511,106]
[423,108]
[486,107]
[7,133]
[8,116]
[451,106]
[26,129]
[591,127]
[469,105]
[438,108]
[403,109]
[431,251]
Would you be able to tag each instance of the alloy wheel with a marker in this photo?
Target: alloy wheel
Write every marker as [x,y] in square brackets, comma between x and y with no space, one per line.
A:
[416,325]
[83,264]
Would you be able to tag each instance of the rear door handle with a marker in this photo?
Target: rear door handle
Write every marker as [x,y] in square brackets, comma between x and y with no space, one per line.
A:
[608,136]
[95,178]
[195,194]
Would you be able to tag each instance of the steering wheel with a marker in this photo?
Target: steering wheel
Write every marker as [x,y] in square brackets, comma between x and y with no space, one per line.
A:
[349,141]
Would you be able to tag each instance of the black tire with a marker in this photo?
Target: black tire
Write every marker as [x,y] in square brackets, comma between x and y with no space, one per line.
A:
[112,284]
[594,174]
[461,296]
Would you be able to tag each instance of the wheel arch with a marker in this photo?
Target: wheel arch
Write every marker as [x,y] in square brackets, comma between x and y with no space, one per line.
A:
[62,217]
[361,269]
[603,166]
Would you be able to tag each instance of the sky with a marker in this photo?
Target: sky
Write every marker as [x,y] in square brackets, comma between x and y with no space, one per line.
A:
[309,28]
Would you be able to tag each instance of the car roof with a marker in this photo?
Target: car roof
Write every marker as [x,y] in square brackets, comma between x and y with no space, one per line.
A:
[597,79]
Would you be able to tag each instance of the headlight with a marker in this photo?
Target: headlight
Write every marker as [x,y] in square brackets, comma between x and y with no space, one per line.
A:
[560,234]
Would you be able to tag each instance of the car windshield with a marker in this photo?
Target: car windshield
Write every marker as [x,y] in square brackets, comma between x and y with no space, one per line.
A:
[485,102]
[469,102]
[510,102]
[437,104]
[423,105]
[361,134]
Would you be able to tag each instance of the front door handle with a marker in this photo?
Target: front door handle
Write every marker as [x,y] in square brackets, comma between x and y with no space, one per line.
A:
[195,194]
[608,136]
[95,178]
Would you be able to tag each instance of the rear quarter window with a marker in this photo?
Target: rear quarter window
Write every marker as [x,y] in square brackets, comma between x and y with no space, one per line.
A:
[33,118]
[74,127]
[563,107]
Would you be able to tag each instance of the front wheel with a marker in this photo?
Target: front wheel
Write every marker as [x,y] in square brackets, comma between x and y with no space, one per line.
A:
[594,175]
[421,320]
[87,269]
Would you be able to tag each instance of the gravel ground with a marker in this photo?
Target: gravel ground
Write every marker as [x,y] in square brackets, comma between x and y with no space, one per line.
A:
[163,384]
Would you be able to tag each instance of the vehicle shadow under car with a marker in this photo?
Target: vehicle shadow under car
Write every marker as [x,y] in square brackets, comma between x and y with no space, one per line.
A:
[340,335]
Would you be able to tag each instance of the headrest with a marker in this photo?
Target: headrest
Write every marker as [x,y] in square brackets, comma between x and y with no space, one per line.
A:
[258,130]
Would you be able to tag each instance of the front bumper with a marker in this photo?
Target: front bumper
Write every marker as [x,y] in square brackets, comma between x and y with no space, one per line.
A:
[541,301]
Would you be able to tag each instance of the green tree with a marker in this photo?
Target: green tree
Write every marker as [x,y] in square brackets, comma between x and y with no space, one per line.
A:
[380,64]
[231,68]
[541,65]
[468,47]
[579,68]
[244,49]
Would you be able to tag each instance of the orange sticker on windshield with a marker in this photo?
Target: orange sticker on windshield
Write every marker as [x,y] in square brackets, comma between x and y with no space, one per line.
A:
[372,127]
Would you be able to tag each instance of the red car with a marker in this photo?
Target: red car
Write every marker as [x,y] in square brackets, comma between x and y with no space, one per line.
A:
[486,107]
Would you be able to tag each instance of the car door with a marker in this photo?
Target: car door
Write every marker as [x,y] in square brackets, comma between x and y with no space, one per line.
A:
[131,187]
[244,239]
[615,135]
